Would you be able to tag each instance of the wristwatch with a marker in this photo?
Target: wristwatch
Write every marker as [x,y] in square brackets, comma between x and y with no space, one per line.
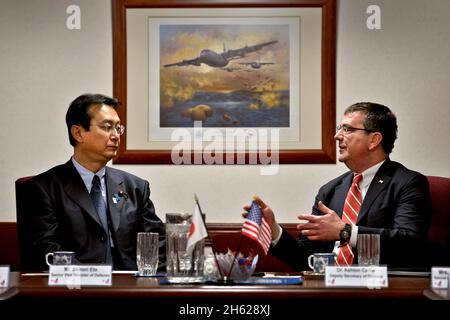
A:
[345,234]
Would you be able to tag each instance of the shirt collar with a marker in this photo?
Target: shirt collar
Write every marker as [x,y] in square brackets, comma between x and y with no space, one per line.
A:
[369,174]
[88,175]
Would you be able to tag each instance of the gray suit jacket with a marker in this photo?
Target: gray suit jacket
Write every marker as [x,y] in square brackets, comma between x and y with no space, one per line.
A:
[397,206]
[58,214]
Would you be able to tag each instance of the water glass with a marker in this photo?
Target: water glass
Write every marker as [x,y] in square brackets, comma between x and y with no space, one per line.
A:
[368,249]
[147,253]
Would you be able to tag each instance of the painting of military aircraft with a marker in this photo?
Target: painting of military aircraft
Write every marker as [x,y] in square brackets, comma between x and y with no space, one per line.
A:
[256,64]
[220,60]
[230,69]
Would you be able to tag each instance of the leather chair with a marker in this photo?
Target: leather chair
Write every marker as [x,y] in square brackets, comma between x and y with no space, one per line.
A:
[20,198]
[9,246]
[439,233]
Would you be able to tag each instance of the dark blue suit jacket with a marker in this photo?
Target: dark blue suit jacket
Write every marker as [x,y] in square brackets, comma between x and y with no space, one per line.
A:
[397,206]
[58,214]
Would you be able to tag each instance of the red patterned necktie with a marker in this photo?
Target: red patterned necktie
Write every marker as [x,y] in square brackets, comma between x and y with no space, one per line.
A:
[350,213]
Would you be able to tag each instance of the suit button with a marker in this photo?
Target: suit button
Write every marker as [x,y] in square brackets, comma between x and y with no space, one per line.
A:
[103,239]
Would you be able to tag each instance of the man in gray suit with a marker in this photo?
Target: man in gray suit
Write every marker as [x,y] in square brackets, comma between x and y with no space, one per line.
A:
[84,206]
[395,201]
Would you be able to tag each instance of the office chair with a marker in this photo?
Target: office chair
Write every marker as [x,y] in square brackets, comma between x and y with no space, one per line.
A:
[439,233]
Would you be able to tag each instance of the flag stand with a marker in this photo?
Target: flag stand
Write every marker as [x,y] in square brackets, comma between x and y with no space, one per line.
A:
[210,239]
[238,250]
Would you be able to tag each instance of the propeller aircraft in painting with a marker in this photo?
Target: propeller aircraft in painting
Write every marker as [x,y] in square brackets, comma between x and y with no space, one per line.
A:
[256,64]
[220,60]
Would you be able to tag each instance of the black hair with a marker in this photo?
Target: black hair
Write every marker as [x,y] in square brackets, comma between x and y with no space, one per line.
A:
[80,111]
[379,118]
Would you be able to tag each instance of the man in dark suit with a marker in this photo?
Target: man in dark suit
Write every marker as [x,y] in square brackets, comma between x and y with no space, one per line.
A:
[395,200]
[61,213]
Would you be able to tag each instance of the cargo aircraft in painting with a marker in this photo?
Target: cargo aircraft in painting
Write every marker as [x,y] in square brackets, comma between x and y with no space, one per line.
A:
[220,60]
[256,64]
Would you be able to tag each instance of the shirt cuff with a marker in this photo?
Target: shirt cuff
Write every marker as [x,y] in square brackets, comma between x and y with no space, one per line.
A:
[354,236]
[275,241]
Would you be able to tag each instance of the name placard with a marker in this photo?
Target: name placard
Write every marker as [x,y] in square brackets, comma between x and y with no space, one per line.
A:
[75,276]
[439,277]
[372,277]
[4,276]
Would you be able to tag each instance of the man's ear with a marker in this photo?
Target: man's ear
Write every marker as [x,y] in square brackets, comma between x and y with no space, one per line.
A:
[375,140]
[77,133]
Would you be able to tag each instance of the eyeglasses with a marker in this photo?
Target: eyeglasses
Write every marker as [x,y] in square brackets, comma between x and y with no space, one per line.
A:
[348,129]
[107,127]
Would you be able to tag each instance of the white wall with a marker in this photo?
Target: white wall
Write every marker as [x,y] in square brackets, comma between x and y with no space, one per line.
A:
[44,66]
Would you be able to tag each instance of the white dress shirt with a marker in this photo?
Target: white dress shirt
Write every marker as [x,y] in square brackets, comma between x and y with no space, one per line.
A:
[88,175]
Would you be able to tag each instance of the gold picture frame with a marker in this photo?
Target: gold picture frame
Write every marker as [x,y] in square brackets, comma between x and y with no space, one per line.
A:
[131,79]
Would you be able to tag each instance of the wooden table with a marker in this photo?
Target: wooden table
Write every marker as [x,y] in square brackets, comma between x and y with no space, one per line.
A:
[437,294]
[129,294]
[130,286]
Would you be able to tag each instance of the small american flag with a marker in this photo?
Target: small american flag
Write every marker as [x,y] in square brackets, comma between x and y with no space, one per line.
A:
[256,227]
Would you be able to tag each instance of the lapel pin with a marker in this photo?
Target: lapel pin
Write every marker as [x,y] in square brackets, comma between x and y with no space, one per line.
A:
[380,181]
[123,194]
[118,196]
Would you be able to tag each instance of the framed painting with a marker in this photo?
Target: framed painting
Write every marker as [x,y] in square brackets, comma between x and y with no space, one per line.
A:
[224,82]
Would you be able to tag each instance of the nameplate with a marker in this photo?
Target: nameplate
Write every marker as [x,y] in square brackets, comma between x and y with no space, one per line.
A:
[4,276]
[82,275]
[440,277]
[372,277]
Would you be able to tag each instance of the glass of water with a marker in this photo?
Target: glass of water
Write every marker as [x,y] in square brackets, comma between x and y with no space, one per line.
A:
[147,253]
[368,249]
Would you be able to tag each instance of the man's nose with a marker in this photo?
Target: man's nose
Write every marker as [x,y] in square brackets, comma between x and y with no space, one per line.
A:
[338,135]
[114,135]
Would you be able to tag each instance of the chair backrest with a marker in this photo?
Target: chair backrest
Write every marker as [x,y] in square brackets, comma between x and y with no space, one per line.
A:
[9,246]
[20,201]
[439,234]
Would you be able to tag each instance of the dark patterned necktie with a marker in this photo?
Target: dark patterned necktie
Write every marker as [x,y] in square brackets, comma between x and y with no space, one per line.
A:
[350,213]
[100,207]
